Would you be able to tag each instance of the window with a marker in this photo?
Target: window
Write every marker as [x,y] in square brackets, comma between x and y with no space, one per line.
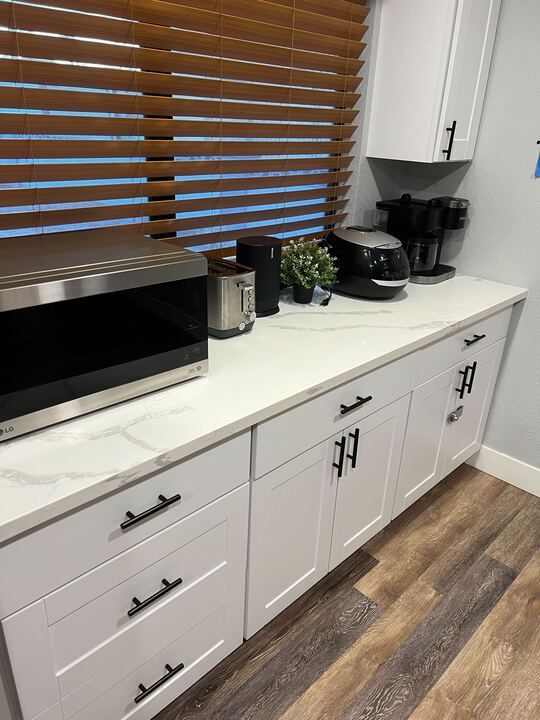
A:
[201,120]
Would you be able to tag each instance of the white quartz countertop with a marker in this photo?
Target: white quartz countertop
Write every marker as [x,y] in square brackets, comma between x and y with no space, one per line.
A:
[290,357]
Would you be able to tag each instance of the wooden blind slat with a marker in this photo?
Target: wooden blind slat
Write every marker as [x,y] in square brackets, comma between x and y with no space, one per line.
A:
[65,172]
[92,102]
[343,9]
[178,39]
[44,73]
[207,221]
[311,31]
[44,47]
[45,149]
[29,124]
[272,228]
[87,193]
[17,220]
[339,13]
[277,226]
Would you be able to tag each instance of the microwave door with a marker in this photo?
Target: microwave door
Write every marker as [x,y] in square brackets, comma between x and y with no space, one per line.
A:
[65,351]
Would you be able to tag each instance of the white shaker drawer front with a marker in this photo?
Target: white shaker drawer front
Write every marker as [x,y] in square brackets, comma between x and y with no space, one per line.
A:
[146,680]
[203,551]
[287,435]
[50,557]
[446,353]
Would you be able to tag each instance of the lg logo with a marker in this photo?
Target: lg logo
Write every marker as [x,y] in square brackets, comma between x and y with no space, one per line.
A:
[6,430]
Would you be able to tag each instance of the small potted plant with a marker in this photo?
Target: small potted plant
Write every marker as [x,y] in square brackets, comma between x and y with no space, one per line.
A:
[305,265]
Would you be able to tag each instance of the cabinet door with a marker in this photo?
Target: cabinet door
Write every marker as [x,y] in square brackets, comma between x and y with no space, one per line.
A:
[365,494]
[290,530]
[468,70]
[467,415]
[409,72]
[422,462]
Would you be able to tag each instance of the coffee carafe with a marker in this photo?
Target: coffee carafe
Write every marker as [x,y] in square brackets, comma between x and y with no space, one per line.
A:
[421,225]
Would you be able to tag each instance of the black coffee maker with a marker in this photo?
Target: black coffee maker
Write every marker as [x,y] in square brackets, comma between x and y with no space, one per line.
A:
[420,225]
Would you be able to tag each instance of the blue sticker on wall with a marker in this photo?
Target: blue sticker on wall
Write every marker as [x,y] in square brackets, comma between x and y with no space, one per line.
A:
[537,171]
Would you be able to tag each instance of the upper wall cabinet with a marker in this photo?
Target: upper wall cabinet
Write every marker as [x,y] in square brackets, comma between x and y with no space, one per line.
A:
[430,78]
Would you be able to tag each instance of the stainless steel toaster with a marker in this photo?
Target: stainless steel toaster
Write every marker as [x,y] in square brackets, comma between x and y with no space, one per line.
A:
[231,298]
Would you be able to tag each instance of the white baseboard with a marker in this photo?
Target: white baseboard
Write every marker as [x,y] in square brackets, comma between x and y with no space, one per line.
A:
[504,467]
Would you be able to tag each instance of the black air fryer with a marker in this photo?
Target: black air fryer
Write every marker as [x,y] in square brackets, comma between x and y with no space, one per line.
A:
[371,264]
[263,254]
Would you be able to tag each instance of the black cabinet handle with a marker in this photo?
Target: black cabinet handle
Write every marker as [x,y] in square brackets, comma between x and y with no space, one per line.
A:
[461,390]
[467,383]
[359,402]
[356,436]
[163,503]
[145,692]
[452,131]
[471,379]
[475,339]
[143,604]
[339,465]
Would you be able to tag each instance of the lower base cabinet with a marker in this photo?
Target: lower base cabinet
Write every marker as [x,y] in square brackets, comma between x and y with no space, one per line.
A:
[365,491]
[317,509]
[423,457]
[174,660]
[470,399]
[446,423]
[292,511]
[312,512]
[157,616]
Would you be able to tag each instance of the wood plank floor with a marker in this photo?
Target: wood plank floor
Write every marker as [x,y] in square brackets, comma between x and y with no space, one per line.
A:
[437,617]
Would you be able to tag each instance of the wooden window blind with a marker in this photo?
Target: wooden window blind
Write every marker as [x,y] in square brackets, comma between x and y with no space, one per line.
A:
[202,120]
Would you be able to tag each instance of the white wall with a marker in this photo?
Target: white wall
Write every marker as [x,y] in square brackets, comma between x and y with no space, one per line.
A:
[502,239]
[371,179]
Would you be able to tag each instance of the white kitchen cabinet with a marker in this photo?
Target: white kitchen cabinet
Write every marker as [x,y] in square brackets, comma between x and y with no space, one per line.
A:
[468,410]
[292,509]
[446,423]
[317,509]
[366,489]
[423,456]
[430,78]
[59,645]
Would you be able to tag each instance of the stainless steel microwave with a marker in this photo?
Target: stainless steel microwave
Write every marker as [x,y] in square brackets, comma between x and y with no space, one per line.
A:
[92,318]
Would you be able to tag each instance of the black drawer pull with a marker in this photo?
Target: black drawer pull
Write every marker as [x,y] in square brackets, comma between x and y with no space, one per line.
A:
[163,503]
[359,402]
[143,604]
[356,437]
[475,339]
[145,692]
[339,465]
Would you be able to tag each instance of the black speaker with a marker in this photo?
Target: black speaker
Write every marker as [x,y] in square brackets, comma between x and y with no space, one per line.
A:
[263,254]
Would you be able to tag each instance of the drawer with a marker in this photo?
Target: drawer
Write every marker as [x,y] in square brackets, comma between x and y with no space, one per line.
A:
[442,355]
[50,557]
[193,643]
[59,643]
[285,436]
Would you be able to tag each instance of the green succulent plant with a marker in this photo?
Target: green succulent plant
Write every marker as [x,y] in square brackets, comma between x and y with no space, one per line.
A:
[307,264]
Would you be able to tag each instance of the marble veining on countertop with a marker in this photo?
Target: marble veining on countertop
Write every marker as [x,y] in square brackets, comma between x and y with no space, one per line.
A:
[289,357]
